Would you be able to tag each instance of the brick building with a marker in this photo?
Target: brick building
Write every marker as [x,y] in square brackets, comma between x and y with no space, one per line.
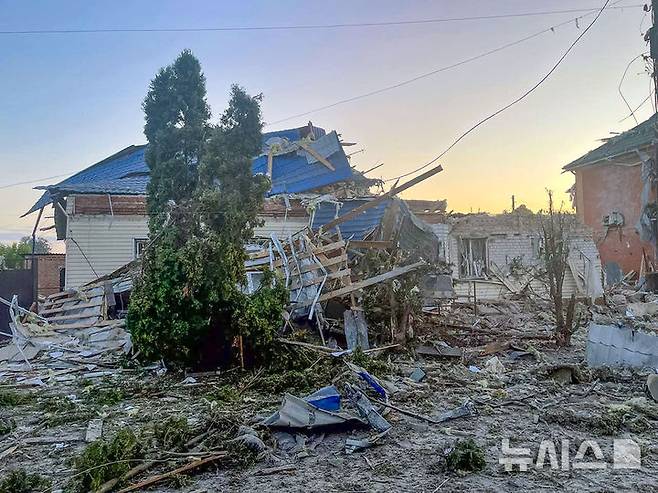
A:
[613,194]
[49,273]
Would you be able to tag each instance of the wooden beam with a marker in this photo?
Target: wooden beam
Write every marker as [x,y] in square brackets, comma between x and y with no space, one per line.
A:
[318,280]
[398,271]
[368,205]
[317,156]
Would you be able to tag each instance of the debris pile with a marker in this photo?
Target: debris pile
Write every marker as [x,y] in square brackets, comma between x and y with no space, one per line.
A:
[75,333]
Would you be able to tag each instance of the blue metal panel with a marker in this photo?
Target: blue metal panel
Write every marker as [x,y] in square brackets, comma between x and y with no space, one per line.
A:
[355,228]
[291,172]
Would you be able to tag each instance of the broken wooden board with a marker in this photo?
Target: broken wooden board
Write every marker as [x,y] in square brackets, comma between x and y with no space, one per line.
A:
[363,284]
[356,329]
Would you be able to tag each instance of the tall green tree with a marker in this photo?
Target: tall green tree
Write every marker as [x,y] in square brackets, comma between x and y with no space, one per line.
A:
[176,114]
[188,306]
[12,255]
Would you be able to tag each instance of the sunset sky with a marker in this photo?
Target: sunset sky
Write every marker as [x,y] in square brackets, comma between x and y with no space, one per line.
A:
[69,100]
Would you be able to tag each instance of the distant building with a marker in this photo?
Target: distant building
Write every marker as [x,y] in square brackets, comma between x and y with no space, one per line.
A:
[613,194]
[498,255]
[49,272]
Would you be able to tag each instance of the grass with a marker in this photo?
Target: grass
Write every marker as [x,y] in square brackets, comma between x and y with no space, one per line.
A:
[6,425]
[11,398]
[466,456]
[172,433]
[19,481]
[103,460]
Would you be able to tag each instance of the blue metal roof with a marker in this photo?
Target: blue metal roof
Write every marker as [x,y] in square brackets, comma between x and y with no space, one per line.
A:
[126,172]
[291,173]
[356,228]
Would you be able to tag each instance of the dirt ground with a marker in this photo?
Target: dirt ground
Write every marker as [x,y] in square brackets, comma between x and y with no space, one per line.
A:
[542,393]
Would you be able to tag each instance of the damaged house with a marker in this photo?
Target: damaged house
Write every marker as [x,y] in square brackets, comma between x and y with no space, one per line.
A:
[613,194]
[100,211]
[497,255]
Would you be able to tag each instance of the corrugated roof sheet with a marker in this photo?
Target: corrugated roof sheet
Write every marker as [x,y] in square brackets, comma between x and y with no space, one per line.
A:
[126,172]
[637,137]
[356,228]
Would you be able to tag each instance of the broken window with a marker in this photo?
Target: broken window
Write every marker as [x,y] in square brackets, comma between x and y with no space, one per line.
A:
[139,244]
[537,246]
[441,250]
[473,257]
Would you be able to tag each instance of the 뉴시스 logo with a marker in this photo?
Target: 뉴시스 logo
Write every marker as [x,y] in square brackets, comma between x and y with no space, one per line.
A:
[626,455]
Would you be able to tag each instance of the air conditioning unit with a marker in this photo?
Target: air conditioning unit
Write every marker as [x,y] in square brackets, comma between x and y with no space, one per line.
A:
[615,218]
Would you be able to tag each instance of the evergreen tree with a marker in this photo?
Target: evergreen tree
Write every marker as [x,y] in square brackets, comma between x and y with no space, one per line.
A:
[188,306]
[177,115]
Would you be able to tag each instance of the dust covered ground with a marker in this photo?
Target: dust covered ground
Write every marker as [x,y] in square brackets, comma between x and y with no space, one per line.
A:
[541,392]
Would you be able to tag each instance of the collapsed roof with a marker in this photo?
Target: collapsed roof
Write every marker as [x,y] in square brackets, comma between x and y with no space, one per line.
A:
[631,141]
[303,159]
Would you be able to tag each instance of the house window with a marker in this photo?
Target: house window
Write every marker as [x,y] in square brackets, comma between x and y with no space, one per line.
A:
[441,247]
[537,246]
[473,257]
[139,244]
[254,278]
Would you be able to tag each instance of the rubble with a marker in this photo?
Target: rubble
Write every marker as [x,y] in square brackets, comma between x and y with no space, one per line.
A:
[484,372]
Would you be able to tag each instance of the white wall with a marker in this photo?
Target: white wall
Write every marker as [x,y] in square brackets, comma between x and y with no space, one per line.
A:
[282,227]
[108,242]
[502,248]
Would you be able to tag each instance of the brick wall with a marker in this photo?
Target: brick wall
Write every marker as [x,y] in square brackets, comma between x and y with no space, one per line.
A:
[49,267]
[118,205]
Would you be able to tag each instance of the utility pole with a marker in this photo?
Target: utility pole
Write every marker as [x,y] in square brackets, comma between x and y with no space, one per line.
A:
[513,207]
[652,36]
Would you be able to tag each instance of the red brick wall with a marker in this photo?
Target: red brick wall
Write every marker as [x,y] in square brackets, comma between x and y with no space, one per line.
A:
[600,190]
[120,205]
[49,267]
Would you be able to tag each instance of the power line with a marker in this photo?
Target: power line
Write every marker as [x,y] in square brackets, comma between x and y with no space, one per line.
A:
[433,72]
[621,82]
[509,105]
[302,26]
[2,187]
[632,113]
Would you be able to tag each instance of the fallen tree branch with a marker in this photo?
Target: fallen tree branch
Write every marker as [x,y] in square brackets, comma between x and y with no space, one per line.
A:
[180,470]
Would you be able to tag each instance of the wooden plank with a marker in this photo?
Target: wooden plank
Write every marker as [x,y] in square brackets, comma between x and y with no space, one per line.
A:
[65,308]
[368,205]
[317,156]
[325,264]
[318,280]
[363,284]
[381,245]
[74,317]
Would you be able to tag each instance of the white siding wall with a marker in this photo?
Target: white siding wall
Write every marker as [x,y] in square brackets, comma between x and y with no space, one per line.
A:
[108,243]
[282,227]
[503,248]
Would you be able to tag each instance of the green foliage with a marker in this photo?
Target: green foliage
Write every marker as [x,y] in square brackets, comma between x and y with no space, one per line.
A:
[188,307]
[374,366]
[11,256]
[172,433]
[19,481]
[108,396]
[11,398]
[176,114]
[6,426]
[103,460]
[466,456]
[397,300]
[225,393]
